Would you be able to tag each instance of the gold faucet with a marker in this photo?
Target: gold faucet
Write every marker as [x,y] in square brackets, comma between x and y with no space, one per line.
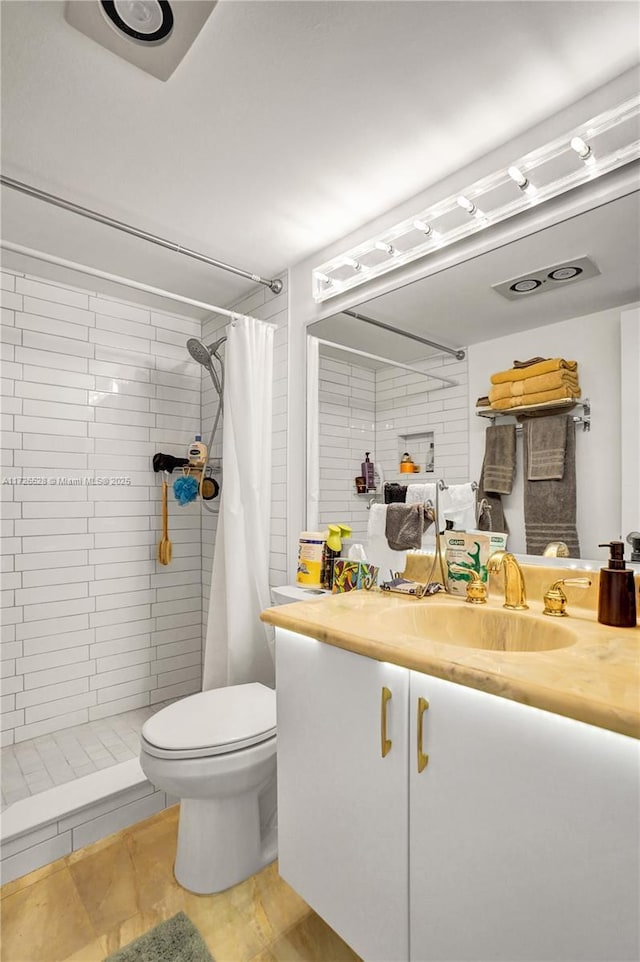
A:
[476,588]
[514,589]
[555,600]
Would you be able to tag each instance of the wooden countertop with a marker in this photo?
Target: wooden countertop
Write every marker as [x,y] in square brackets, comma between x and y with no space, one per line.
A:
[594,677]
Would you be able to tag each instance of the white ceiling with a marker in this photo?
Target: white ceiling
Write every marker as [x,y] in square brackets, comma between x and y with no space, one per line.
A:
[462,298]
[287,125]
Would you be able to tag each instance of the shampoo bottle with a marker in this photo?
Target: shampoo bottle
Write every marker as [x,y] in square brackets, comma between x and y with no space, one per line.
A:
[368,472]
[617,590]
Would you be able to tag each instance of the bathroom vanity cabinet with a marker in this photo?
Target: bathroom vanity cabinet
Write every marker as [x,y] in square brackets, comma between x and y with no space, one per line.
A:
[518,840]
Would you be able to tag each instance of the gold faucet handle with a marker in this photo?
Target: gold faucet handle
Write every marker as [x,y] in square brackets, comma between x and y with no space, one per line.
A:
[555,600]
[476,588]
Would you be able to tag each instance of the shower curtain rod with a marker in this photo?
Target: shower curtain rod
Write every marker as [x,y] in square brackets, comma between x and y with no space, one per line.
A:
[385,360]
[456,352]
[274,284]
[118,279]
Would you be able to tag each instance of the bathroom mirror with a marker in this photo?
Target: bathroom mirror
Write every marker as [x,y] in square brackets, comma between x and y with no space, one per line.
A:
[368,405]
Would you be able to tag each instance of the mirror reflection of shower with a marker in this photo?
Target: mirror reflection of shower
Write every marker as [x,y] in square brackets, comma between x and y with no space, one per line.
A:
[207,356]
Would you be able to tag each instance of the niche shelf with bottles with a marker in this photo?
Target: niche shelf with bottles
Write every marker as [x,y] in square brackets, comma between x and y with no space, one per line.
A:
[420,445]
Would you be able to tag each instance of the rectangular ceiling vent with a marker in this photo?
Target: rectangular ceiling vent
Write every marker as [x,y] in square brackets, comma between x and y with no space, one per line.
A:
[547,279]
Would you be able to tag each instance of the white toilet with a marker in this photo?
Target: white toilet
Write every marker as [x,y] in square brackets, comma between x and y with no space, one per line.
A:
[216,752]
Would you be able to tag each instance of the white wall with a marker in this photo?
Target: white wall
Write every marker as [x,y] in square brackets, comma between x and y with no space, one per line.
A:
[92,624]
[594,341]
[266,306]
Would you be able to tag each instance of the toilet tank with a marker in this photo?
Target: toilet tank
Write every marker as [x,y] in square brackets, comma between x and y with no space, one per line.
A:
[286,594]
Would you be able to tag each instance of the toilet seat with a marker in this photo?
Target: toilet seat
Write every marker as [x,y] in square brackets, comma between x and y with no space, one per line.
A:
[214,722]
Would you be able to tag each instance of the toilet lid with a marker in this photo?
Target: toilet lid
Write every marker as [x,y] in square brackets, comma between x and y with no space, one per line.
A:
[216,721]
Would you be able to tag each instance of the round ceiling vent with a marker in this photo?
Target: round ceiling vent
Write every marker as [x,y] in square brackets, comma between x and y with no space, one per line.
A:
[564,273]
[148,21]
[525,286]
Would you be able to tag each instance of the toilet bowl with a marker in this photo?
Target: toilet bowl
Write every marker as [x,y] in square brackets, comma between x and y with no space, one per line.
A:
[216,751]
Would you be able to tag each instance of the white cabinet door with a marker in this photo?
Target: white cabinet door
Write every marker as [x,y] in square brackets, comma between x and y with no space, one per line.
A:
[342,807]
[524,833]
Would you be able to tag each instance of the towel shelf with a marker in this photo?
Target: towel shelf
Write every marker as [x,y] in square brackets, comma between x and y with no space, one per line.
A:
[554,407]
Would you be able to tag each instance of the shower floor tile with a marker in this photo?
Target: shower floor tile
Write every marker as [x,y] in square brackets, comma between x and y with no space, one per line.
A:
[40,763]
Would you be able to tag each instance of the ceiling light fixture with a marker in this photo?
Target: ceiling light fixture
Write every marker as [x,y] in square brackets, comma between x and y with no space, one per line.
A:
[526,286]
[466,204]
[602,144]
[583,150]
[147,21]
[553,277]
[521,179]
[564,273]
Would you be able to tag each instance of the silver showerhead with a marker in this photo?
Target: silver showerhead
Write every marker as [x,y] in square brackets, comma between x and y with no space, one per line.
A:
[199,352]
[202,353]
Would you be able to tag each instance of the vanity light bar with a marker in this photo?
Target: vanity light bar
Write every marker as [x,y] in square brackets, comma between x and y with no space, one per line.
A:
[504,194]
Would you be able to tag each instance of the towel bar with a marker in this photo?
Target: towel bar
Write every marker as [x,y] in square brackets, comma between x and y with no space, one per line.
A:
[554,407]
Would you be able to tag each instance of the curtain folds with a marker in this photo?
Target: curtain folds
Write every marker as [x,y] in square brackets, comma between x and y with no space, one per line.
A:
[239,647]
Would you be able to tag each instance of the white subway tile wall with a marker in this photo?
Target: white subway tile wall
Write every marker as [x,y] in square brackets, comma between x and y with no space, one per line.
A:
[347,423]
[379,411]
[92,625]
[266,306]
[408,404]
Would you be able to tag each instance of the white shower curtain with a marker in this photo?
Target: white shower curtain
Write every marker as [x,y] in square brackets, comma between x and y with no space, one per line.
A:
[238,646]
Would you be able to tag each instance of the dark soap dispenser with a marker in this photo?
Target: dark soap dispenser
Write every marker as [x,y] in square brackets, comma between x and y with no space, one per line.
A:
[617,590]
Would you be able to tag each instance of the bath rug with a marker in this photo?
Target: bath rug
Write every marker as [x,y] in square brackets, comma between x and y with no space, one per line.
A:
[174,940]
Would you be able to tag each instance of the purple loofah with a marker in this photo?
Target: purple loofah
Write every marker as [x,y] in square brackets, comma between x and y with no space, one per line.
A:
[185,489]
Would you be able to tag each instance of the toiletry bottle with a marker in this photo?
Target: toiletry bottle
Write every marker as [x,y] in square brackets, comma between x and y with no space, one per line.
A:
[198,451]
[333,547]
[311,550]
[368,472]
[616,594]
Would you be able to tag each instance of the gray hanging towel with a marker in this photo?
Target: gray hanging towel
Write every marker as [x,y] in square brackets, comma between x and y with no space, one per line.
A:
[546,440]
[405,526]
[499,459]
[550,505]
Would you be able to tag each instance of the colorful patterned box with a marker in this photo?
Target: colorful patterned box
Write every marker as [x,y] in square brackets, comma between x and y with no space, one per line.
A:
[350,575]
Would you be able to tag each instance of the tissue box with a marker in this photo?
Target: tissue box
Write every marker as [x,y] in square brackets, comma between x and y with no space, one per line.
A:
[351,575]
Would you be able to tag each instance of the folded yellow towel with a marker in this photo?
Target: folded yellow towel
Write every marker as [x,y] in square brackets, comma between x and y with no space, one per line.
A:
[542,397]
[534,385]
[543,367]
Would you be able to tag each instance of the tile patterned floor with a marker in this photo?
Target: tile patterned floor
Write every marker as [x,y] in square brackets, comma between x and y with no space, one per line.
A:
[40,763]
[91,903]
